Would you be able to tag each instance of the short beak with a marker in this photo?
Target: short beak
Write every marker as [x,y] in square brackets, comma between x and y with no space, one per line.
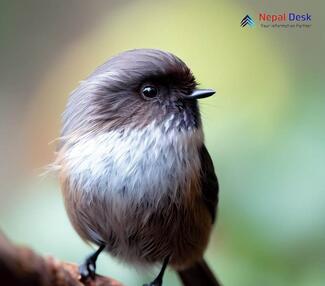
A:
[201,93]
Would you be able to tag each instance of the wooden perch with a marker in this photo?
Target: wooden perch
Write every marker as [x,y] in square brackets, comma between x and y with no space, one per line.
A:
[21,266]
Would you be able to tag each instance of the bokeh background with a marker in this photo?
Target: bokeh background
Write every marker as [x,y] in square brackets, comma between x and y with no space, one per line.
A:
[264,128]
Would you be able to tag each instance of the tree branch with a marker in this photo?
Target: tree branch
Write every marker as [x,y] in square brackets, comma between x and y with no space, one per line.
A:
[21,266]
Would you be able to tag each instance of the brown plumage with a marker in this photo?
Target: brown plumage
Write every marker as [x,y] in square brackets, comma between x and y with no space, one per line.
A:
[135,174]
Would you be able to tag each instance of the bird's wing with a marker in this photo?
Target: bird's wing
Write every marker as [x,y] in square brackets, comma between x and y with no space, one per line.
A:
[209,182]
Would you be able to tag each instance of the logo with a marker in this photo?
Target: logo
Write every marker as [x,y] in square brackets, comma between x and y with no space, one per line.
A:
[285,20]
[247,20]
[281,20]
[283,17]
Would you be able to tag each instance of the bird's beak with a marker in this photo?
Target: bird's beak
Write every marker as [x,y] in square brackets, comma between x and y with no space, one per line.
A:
[201,93]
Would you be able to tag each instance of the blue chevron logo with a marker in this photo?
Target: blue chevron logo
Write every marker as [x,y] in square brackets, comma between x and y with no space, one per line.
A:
[247,20]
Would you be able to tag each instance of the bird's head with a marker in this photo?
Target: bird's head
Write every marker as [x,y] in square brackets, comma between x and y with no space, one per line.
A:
[134,89]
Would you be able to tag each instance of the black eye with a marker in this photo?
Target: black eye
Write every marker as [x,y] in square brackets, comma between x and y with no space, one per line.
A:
[149,91]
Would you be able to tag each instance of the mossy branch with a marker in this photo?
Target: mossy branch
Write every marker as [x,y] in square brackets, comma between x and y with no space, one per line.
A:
[21,266]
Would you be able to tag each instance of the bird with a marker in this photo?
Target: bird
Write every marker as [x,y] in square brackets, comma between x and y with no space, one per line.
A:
[136,177]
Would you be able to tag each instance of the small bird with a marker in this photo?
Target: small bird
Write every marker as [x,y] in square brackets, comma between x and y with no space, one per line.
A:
[136,177]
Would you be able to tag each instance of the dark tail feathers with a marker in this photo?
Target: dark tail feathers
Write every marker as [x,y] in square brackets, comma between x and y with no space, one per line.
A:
[198,275]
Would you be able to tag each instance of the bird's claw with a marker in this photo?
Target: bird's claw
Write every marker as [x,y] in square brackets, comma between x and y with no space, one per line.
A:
[154,283]
[87,270]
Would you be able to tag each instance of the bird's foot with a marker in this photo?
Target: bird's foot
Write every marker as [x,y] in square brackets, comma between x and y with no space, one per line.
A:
[156,282]
[87,269]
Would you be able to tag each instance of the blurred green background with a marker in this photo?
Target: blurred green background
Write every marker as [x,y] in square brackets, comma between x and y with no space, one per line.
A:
[264,128]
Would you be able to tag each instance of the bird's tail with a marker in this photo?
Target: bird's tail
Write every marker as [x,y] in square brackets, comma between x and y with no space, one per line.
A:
[198,275]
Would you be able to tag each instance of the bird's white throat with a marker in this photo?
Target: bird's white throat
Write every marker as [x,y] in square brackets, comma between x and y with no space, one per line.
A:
[138,161]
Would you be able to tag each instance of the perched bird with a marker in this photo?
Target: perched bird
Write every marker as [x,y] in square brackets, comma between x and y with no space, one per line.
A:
[136,177]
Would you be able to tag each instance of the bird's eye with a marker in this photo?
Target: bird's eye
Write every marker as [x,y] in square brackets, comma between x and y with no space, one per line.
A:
[149,91]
